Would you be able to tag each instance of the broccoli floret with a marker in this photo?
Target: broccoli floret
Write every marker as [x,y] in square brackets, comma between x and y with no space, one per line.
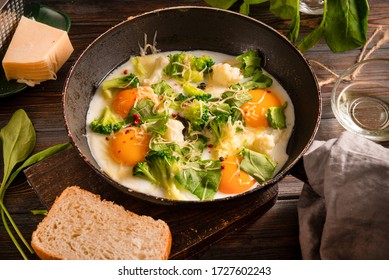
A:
[128,81]
[196,113]
[187,67]
[107,123]
[203,63]
[217,126]
[192,91]
[142,169]
[160,168]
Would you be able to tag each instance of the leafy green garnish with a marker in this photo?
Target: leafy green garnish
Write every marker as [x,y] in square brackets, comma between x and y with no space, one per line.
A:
[128,81]
[163,88]
[187,67]
[258,165]
[145,113]
[258,80]
[201,178]
[250,61]
[275,117]
[19,139]
[192,91]
[250,65]
[197,113]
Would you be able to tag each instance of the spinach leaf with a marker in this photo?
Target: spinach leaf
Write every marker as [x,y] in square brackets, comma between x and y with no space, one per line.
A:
[222,4]
[163,88]
[312,38]
[258,165]
[288,9]
[349,17]
[250,61]
[275,116]
[201,178]
[259,80]
[236,99]
[145,112]
[343,26]
[19,139]
[37,158]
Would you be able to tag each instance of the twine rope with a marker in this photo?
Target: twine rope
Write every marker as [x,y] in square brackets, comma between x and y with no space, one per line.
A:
[380,30]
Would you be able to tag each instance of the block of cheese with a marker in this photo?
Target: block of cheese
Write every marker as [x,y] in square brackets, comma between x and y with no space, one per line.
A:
[36,52]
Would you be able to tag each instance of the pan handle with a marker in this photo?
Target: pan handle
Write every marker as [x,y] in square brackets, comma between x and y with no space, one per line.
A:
[298,171]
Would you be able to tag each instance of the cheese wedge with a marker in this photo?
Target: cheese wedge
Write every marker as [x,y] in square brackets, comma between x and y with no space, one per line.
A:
[36,52]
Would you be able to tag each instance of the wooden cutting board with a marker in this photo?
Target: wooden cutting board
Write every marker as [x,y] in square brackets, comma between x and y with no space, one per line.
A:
[193,227]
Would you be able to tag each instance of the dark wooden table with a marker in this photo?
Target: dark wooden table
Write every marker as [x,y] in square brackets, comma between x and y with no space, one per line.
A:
[273,235]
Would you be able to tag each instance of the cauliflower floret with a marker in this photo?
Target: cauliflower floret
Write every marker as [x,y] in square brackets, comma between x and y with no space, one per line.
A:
[150,68]
[225,75]
[264,143]
[174,131]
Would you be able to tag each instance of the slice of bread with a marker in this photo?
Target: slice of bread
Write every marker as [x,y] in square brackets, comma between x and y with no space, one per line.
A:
[82,226]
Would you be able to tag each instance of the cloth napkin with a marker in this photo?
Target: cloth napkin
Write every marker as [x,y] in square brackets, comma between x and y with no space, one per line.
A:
[344,210]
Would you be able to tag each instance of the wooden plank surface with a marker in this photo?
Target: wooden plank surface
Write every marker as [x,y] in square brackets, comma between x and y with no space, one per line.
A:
[193,227]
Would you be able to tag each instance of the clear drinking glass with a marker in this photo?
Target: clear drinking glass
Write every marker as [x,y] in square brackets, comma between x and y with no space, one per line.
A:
[360,99]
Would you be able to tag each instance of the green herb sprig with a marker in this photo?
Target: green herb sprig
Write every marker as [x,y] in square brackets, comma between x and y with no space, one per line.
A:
[19,138]
[343,25]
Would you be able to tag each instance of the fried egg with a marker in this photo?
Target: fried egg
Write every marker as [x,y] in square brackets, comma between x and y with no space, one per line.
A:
[255,110]
[129,146]
[117,154]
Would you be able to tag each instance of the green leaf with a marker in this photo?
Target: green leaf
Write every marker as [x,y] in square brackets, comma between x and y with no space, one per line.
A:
[258,165]
[275,117]
[19,140]
[163,88]
[145,112]
[37,158]
[254,2]
[201,179]
[343,26]
[346,24]
[244,9]
[223,4]
[311,39]
[259,80]
[40,212]
[239,98]
[288,9]
[285,9]
[250,61]
[295,25]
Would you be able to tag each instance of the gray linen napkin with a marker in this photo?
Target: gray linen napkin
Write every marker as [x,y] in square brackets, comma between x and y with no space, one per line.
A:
[344,210]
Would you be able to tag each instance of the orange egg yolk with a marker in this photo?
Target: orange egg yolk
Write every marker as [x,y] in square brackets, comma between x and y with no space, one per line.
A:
[129,146]
[124,101]
[234,180]
[255,109]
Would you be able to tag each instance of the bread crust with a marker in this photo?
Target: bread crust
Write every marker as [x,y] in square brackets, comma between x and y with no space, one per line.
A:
[164,234]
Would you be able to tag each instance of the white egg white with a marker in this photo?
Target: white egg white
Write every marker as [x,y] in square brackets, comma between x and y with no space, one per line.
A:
[269,141]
